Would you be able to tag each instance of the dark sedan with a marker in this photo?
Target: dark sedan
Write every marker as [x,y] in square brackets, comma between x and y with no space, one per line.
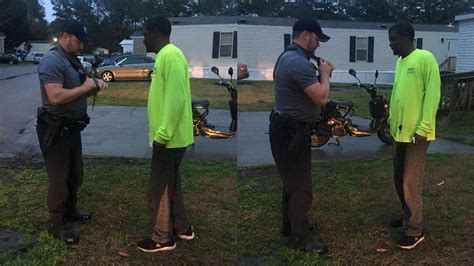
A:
[8,59]
[129,68]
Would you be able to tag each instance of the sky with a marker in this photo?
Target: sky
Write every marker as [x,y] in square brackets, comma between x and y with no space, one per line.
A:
[48,9]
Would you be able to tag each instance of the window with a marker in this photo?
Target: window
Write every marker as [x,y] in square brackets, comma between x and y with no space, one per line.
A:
[226,40]
[286,40]
[418,43]
[224,44]
[362,45]
[132,61]
[361,49]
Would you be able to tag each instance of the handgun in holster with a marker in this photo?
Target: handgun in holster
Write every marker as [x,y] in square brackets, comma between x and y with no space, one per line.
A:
[53,126]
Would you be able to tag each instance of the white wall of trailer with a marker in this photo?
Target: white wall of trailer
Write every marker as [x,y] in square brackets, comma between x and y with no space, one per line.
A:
[465,53]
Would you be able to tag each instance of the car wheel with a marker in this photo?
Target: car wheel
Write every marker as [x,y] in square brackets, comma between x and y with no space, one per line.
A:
[10,62]
[150,76]
[107,76]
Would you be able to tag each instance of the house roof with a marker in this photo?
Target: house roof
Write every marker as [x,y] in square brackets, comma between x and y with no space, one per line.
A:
[276,21]
[465,16]
[126,41]
[290,21]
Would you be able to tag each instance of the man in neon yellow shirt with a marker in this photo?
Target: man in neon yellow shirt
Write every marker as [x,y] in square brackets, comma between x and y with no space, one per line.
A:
[171,131]
[413,106]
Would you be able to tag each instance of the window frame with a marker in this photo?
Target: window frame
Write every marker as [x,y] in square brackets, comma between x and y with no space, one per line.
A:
[231,45]
[366,49]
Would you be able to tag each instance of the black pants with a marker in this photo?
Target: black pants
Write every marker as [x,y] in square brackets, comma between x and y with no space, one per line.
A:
[165,198]
[291,151]
[65,175]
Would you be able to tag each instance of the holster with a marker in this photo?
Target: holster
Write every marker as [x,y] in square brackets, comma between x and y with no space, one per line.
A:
[297,131]
[52,126]
[55,127]
[72,126]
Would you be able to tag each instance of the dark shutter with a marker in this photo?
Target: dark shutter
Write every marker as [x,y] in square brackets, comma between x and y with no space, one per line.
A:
[370,56]
[234,46]
[352,49]
[215,44]
[419,43]
[286,40]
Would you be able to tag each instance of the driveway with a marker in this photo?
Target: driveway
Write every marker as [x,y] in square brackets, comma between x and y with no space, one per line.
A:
[254,146]
[123,131]
[19,99]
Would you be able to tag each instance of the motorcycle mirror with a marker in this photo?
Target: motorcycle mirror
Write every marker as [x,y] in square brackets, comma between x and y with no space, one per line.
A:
[215,70]
[231,71]
[352,72]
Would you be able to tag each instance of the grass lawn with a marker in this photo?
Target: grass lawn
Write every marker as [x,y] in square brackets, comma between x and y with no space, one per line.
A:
[353,203]
[252,95]
[116,189]
[135,93]
[460,127]
[237,219]
[259,96]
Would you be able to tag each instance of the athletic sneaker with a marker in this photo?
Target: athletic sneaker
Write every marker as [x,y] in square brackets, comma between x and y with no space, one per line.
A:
[409,242]
[150,246]
[188,234]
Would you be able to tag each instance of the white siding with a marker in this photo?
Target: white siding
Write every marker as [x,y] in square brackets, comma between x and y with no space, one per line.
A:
[465,57]
[196,41]
[260,46]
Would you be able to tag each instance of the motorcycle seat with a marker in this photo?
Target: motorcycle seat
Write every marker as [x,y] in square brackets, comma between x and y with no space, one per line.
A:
[203,102]
[346,103]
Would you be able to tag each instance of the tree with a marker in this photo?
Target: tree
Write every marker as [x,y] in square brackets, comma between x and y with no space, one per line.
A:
[369,10]
[22,20]
[432,11]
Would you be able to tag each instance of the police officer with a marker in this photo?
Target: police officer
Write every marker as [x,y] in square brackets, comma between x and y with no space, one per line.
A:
[299,96]
[64,91]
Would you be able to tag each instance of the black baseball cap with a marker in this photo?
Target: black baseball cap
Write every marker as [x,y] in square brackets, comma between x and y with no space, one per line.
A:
[77,29]
[312,25]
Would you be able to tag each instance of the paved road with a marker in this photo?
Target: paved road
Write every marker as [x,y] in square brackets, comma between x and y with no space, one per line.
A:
[254,146]
[123,131]
[19,99]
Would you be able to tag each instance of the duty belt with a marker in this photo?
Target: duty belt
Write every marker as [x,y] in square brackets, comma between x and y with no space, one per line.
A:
[285,120]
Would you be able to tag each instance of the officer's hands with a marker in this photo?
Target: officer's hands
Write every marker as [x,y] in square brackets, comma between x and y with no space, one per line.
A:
[325,68]
[88,85]
[91,84]
[102,84]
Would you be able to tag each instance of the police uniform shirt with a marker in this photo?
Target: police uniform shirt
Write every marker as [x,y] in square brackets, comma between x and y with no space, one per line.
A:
[293,73]
[56,68]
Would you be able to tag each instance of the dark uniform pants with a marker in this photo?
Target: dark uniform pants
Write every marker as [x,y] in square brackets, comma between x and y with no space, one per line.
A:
[65,174]
[165,198]
[291,150]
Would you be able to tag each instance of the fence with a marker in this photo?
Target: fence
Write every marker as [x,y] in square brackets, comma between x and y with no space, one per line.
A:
[457,92]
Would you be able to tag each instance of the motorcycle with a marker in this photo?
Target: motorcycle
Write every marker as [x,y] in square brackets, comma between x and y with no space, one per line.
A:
[335,121]
[201,110]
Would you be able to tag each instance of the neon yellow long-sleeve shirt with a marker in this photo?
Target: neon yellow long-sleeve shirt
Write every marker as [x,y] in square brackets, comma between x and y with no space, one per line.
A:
[169,100]
[415,96]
